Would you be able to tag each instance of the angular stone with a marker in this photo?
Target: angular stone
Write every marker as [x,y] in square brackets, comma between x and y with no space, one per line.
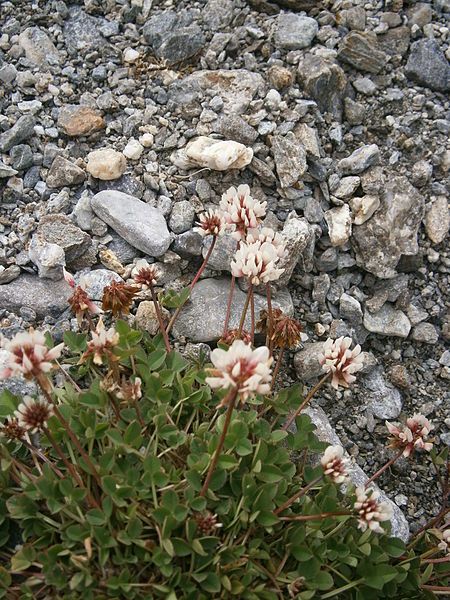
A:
[395,42]
[233,127]
[188,244]
[339,223]
[82,31]
[64,172]
[299,239]
[326,433]
[325,82]
[59,229]
[80,120]
[392,231]
[383,400]
[347,187]
[220,155]
[182,216]
[218,13]
[437,220]
[6,170]
[388,321]
[222,254]
[309,138]
[9,274]
[203,317]
[361,51]
[106,164]
[49,258]
[294,32]
[363,207]
[141,225]
[45,297]
[95,281]
[290,159]
[428,66]
[19,132]
[21,157]
[426,333]
[360,160]
[306,362]
[236,87]
[147,319]
[173,36]
[38,46]
[350,309]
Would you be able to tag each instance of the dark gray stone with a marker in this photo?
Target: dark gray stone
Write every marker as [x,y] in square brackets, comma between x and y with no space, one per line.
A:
[45,297]
[64,172]
[361,51]
[19,132]
[82,32]
[324,81]
[172,36]
[21,157]
[428,66]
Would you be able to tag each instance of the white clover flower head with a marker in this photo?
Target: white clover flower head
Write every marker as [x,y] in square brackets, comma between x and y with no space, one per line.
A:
[334,464]
[267,234]
[242,368]
[211,222]
[130,390]
[32,414]
[145,274]
[256,262]
[338,359]
[411,436]
[241,211]
[444,545]
[371,512]
[102,343]
[29,355]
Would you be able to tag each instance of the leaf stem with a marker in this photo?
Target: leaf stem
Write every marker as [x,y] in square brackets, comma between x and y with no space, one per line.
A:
[245,309]
[298,495]
[309,395]
[160,319]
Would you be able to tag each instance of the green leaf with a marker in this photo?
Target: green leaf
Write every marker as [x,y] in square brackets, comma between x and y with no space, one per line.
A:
[379,575]
[8,403]
[132,435]
[23,559]
[95,517]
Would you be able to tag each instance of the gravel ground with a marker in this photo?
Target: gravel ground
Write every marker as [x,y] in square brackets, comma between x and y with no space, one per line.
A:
[121,120]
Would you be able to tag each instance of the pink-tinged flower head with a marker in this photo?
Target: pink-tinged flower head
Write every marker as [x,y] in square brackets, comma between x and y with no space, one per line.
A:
[102,344]
[257,262]
[69,278]
[266,234]
[411,436]
[211,222]
[33,413]
[79,302]
[131,390]
[444,545]
[146,275]
[334,464]
[29,355]
[371,512]
[242,368]
[240,211]
[337,358]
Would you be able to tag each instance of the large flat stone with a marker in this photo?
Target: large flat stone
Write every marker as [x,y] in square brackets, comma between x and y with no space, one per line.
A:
[141,225]
[45,297]
[202,318]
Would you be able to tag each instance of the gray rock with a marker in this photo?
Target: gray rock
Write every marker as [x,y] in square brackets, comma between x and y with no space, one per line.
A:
[426,333]
[234,127]
[21,157]
[339,221]
[416,314]
[388,321]
[325,82]
[82,32]
[299,238]
[328,260]
[38,46]
[388,290]
[94,282]
[182,217]
[19,132]
[306,362]
[350,309]
[188,244]
[172,37]
[290,159]
[384,400]
[6,170]
[360,160]
[59,229]
[361,51]
[294,32]
[139,224]
[347,187]
[127,184]
[9,274]
[222,254]
[202,318]
[63,172]
[124,251]
[420,14]
[355,112]
[217,14]
[437,220]
[49,258]
[428,66]
[8,73]
[45,297]
[392,231]
[326,433]
[147,319]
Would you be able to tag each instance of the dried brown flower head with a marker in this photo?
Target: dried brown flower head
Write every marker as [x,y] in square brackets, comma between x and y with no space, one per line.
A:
[118,297]
[33,413]
[130,390]
[80,303]
[286,331]
[233,334]
[147,277]
[207,523]
[11,429]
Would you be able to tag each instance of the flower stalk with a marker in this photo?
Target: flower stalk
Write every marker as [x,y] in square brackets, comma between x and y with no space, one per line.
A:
[245,309]
[298,495]
[309,395]
[383,468]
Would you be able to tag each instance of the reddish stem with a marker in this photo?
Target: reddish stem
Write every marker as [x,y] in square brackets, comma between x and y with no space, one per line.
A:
[160,319]
[204,263]
[245,309]
[305,401]
[383,468]
[270,316]
[296,496]
[252,316]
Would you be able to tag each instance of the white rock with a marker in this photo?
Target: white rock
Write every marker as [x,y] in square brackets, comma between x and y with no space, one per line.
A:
[363,208]
[146,140]
[214,154]
[106,164]
[130,55]
[133,149]
[49,258]
[437,220]
[339,224]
